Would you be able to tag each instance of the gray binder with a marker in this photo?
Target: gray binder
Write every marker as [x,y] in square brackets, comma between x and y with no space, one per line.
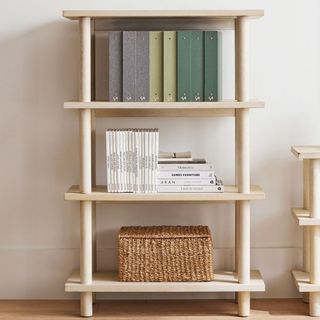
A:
[129,65]
[101,66]
[142,66]
[115,66]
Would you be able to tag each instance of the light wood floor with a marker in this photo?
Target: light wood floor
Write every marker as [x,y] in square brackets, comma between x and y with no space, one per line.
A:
[154,310]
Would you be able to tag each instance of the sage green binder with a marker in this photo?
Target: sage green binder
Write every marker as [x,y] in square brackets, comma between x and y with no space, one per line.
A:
[156,65]
[169,66]
[183,66]
[197,65]
[212,65]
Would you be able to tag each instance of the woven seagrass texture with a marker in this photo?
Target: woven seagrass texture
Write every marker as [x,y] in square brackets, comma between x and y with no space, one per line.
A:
[165,254]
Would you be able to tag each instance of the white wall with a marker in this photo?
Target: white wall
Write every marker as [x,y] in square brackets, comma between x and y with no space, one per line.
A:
[39,235]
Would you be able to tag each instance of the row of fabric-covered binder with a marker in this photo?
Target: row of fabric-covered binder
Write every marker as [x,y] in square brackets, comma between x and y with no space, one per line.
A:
[164,66]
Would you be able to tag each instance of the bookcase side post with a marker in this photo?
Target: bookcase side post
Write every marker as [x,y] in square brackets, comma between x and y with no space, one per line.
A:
[243,167]
[306,229]
[314,297]
[93,203]
[85,166]
[93,148]
[236,173]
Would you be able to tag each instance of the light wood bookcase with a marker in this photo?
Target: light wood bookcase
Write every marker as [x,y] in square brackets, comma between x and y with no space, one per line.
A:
[240,280]
[308,280]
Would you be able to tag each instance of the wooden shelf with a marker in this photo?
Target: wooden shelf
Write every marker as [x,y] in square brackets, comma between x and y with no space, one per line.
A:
[174,14]
[225,281]
[99,194]
[303,217]
[306,152]
[302,282]
[164,109]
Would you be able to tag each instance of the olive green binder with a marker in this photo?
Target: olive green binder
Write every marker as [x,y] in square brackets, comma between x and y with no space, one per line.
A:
[169,65]
[183,66]
[156,65]
[212,65]
[197,65]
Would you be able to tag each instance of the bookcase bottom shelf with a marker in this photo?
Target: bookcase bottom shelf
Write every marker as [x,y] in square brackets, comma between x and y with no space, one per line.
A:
[225,281]
[302,281]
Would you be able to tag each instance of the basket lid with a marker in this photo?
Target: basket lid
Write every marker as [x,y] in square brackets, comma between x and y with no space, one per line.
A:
[165,232]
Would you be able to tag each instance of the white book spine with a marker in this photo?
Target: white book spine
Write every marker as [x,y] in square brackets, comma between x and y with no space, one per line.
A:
[136,154]
[147,160]
[185,182]
[119,162]
[190,189]
[125,182]
[137,146]
[150,159]
[119,157]
[130,162]
[186,175]
[125,158]
[153,184]
[186,167]
[134,162]
[156,159]
[154,176]
[143,161]
[115,162]
[108,160]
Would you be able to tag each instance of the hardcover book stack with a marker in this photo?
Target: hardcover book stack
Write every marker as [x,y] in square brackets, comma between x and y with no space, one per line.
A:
[187,175]
[132,157]
[164,66]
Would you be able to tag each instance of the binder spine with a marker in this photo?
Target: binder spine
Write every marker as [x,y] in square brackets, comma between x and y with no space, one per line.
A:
[115,66]
[129,65]
[170,66]
[183,66]
[142,66]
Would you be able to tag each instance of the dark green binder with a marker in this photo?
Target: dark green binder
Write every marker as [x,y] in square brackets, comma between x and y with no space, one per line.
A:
[197,65]
[183,66]
[212,66]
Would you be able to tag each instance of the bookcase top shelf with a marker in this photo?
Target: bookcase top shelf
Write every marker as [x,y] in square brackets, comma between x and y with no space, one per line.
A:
[99,193]
[175,14]
[164,109]
[306,152]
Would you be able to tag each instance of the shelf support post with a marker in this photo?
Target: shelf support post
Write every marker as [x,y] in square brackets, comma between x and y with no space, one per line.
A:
[243,163]
[306,230]
[85,166]
[314,192]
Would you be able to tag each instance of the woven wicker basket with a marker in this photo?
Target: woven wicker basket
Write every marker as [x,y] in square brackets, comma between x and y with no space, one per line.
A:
[165,253]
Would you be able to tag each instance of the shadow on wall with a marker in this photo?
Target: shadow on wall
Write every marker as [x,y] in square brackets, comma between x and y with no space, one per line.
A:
[39,70]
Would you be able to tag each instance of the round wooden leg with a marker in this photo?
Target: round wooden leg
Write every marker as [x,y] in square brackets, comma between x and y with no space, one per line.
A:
[244,304]
[314,304]
[86,304]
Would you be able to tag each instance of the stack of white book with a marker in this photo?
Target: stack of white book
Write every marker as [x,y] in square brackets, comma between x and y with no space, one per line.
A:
[187,177]
[132,157]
